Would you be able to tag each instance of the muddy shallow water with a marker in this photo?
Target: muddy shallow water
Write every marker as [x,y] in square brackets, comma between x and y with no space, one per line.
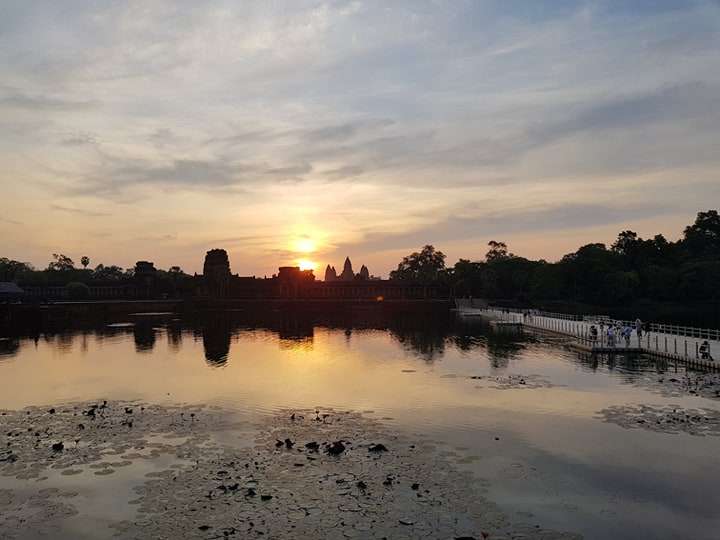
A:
[515,435]
[309,473]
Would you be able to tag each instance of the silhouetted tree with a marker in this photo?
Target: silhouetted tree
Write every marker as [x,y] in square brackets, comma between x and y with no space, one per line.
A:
[85,260]
[61,263]
[11,270]
[702,238]
[108,273]
[498,251]
[425,266]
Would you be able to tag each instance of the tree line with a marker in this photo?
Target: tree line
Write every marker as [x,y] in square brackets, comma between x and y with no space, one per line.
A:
[62,271]
[630,272]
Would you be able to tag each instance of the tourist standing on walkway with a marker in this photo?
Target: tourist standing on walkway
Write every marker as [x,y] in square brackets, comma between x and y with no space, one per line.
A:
[610,336]
[705,351]
[638,329]
[627,332]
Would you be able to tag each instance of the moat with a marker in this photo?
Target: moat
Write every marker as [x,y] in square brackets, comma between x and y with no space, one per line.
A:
[508,435]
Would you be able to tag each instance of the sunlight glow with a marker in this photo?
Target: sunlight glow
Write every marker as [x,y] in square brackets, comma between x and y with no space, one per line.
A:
[305,245]
[306,264]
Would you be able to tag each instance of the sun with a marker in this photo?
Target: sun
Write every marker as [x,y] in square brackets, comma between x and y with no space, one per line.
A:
[305,245]
[306,264]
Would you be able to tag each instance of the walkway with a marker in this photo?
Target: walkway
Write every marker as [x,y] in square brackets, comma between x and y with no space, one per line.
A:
[666,341]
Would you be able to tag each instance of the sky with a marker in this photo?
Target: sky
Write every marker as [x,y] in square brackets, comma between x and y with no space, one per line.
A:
[288,131]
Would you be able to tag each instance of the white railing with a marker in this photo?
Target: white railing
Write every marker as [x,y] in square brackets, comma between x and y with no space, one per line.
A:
[686,331]
[666,339]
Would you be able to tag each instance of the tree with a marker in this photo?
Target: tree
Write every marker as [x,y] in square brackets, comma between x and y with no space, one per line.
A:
[702,238]
[425,266]
[85,260]
[11,270]
[61,263]
[626,243]
[108,273]
[498,251]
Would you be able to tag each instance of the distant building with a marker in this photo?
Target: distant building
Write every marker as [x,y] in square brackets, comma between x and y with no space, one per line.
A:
[216,273]
[292,283]
[9,291]
[347,273]
[330,273]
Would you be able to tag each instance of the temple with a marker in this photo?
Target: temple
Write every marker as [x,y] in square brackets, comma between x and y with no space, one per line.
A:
[217,282]
[347,274]
[293,283]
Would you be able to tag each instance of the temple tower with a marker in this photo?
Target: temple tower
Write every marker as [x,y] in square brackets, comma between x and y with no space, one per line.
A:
[216,272]
[347,273]
[330,273]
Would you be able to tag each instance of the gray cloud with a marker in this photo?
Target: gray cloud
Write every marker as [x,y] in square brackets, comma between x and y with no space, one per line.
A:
[80,139]
[496,224]
[79,211]
[38,102]
[341,173]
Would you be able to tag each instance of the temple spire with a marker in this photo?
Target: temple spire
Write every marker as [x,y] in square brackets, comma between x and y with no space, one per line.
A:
[347,273]
[330,274]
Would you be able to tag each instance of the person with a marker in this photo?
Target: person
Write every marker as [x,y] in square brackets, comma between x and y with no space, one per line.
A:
[638,328]
[705,351]
[610,336]
[602,329]
[593,333]
[627,332]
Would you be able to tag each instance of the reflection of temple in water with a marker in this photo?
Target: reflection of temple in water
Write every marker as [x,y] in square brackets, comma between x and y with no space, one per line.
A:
[9,347]
[424,330]
[144,335]
[174,336]
[295,332]
[216,334]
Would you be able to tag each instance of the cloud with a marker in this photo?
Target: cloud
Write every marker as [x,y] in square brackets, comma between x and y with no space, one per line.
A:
[39,102]
[493,224]
[81,139]
[395,122]
[78,211]
[10,221]
[685,102]
[341,173]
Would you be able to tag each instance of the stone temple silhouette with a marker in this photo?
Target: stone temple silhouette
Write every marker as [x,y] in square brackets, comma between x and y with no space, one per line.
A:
[292,283]
[348,274]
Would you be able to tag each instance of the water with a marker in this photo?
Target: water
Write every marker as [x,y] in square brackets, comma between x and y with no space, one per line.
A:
[540,447]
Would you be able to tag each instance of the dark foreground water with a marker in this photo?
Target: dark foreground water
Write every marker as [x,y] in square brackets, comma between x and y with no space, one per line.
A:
[526,416]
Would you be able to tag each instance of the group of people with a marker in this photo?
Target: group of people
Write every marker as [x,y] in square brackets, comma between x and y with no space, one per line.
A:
[612,332]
